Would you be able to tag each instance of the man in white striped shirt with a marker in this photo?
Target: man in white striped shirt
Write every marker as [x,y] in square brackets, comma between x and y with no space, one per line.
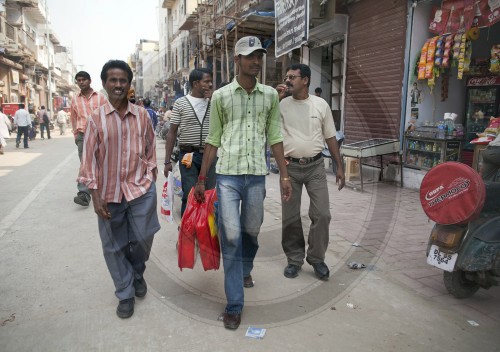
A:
[190,117]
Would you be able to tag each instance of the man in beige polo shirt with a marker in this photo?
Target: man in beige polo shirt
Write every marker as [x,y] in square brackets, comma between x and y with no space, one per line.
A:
[307,123]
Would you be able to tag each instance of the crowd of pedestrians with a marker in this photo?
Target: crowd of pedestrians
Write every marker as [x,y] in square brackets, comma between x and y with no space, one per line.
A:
[26,124]
[222,135]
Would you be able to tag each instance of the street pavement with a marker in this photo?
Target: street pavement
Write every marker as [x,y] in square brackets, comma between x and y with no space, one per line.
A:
[57,295]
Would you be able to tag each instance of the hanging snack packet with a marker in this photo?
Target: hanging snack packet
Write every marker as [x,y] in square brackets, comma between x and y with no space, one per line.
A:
[461,57]
[457,39]
[468,55]
[495,59]
[430,58]
[423,60]
[446,53]
[439,52]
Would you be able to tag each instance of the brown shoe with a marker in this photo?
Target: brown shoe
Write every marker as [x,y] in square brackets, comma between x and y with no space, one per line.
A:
[232,321]
[248,281]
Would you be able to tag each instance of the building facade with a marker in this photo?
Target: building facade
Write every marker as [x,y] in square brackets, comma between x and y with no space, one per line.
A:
[35,69]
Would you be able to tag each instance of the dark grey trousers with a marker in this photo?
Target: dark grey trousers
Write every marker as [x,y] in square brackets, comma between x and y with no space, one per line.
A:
[127,239]
[491,162]
[79,143]
[313,177]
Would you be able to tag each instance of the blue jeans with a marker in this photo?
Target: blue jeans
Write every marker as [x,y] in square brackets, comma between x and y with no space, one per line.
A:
[238,231]
[189,176]
[44,126]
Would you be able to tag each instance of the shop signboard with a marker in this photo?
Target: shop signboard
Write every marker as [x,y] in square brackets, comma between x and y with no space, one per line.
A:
[483,81]
[10,108]
[292,24]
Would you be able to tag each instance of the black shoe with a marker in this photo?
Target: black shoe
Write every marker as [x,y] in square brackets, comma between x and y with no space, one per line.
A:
[82,199]
[248,281]
[321,270]
[126,308]
[231,321]
[291,271]
[140,287]
[26,147]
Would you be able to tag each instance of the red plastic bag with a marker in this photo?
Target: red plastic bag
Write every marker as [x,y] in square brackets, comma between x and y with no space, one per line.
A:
[187,231]
[206,232]
[199,224]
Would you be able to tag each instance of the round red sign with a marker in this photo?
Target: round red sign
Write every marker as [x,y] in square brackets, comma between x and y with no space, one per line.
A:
[452,193]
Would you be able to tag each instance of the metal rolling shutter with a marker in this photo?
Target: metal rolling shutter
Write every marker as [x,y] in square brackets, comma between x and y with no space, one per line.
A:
[375,69]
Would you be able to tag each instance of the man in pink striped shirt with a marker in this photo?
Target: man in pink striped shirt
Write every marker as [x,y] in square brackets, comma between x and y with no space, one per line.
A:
[119,167]
[82,106]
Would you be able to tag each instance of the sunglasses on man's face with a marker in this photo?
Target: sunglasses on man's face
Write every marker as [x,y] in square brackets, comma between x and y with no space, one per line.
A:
[290,77]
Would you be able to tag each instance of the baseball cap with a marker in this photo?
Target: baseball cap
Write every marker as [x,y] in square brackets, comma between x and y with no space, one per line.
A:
[247,45]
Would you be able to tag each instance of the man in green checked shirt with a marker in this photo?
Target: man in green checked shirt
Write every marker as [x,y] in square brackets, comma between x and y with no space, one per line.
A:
[242,115]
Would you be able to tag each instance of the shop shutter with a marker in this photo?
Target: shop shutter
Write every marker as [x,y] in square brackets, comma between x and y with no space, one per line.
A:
[375,69]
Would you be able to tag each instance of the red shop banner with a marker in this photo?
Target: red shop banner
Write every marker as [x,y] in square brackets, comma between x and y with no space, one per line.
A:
[458,16]
[487,13]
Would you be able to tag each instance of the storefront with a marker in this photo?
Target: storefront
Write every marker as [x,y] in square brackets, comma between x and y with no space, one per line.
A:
[375,69]
[453,86]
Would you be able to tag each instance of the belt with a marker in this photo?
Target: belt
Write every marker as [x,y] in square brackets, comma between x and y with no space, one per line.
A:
[190,149]
[304,161]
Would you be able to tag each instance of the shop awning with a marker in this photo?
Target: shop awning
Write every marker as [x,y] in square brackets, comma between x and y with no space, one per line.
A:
[329,32]
[10,63]
[258,24]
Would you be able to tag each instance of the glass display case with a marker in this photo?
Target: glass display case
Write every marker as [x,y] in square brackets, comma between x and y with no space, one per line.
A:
[482,102]
[423,149]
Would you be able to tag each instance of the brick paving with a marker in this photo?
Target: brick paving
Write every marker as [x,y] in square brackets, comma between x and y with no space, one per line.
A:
[392,229]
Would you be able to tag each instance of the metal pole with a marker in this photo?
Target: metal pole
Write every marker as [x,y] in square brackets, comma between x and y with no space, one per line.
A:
[49,105]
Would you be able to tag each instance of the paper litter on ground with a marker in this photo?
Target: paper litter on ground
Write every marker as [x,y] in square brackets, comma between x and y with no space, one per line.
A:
[255,333]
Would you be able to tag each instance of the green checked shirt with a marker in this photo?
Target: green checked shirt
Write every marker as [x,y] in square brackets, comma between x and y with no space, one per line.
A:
[239,125]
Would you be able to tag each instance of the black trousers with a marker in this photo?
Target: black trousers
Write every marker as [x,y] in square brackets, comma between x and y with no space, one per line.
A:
[20,131]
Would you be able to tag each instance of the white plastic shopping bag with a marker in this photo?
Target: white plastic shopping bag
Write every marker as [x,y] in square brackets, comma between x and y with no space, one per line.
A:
[177,181]
[167,199]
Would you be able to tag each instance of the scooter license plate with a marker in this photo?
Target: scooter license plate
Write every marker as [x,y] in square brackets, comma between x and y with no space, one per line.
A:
[440,259]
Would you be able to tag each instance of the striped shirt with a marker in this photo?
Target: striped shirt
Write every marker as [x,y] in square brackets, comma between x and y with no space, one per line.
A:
[191,131]
[82,107]
[239,125]
[119,154]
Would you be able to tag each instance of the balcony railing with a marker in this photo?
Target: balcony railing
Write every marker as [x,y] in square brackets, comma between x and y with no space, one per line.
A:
[10,31]
[29,41]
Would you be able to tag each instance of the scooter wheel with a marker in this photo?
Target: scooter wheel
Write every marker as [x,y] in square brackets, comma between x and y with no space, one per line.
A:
[458,285]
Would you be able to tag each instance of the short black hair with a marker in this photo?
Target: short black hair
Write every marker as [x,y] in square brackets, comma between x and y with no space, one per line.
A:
[21,106]
[42,107]
[197,75]
[122,65]
[318,90]
[147,102]
[305,71]
[82,74]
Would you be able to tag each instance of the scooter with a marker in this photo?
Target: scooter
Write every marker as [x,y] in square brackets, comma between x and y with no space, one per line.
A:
[469,254]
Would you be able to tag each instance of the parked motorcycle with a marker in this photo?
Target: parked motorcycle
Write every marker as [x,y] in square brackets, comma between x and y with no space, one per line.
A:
[465,246]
